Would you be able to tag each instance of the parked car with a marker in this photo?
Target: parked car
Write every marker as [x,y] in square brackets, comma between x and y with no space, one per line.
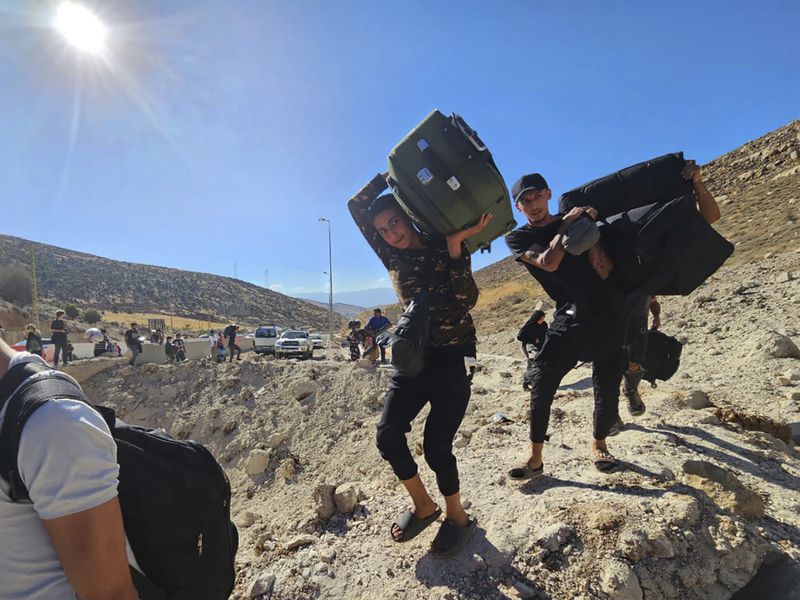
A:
[316,340]
[294,343]
[265,337]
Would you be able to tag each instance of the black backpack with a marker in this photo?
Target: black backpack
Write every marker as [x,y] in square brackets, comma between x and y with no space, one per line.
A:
[175,497]
[662,357]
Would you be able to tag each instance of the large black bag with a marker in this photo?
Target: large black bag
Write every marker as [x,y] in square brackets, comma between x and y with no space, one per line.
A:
[662,357]
[663,249]
[409,340]
[175,498]
[657,180]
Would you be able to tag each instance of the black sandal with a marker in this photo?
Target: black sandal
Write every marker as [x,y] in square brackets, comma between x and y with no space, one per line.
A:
[452,538]
[411,526]
[605,462]
[526,472]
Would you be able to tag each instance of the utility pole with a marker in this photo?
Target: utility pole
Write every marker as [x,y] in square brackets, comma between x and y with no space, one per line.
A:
[34,291]
[330,284]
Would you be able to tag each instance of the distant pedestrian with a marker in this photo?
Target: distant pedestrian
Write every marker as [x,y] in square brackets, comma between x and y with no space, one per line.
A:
[170,350]
[212,344]
[33,340]
[180,347]
[230,333]
[376,325]
[157,337]
[220,347]
[354,339]
[104,345]
[58,336]
[70,352]
[134,343]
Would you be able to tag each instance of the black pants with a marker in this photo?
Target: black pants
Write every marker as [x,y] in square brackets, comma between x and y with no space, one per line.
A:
[234,348]
[561,351]
[444,383]
[60,349]
[636,344]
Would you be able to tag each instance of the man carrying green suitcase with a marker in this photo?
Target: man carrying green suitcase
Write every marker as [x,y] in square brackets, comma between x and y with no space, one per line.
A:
[440,265]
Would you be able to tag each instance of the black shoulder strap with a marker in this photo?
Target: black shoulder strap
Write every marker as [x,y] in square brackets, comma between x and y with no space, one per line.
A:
[30,395]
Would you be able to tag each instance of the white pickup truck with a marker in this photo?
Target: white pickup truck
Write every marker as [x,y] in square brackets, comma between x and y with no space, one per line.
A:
[265,337]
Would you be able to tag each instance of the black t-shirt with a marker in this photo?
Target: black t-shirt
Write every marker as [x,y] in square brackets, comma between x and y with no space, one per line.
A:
[532,333]
[595,302]
[58,336]
[132,337]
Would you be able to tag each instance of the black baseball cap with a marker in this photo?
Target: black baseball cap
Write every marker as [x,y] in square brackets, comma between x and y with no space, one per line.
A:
[531,181]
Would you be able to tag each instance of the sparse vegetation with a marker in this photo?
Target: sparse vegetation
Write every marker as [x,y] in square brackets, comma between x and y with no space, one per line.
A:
[15,285]
[71,311]
[91,316]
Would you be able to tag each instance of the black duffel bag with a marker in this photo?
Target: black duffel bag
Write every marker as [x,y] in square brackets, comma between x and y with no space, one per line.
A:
[664,249]
[409,340]
[657,180]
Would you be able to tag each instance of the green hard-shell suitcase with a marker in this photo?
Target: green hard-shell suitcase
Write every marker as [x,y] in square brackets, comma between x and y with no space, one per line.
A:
[444,177]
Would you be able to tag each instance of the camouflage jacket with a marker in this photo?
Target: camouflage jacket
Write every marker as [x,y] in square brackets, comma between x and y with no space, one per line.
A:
[452,291]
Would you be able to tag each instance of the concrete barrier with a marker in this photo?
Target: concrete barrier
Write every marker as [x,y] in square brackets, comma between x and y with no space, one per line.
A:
[84,370]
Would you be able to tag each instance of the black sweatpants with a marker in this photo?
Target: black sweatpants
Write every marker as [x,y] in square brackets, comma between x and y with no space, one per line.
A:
[233,347]
[561,351]
[444,384]
[636,344]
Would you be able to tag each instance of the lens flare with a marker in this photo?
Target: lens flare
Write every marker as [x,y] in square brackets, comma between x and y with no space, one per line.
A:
[81,28]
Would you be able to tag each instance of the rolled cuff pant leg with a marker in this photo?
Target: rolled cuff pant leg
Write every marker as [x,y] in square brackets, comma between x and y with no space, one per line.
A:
[550,365]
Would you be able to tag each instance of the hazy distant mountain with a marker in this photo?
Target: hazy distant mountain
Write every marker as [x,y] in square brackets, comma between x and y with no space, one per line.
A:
[88,281]
[361,298]
[348,311]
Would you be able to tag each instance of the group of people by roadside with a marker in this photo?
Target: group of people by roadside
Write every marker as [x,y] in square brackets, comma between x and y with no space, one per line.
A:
[594,321]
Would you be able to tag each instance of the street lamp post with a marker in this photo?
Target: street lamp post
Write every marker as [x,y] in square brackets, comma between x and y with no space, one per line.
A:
[330,284]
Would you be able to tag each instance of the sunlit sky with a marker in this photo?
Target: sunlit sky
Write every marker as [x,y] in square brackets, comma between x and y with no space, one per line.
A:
[214,133]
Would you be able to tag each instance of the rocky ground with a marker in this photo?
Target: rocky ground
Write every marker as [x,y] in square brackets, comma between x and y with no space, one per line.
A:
[706,500]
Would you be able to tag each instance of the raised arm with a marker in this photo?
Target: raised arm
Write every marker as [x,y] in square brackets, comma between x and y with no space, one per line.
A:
[706,204]
[359,205]
[464,286]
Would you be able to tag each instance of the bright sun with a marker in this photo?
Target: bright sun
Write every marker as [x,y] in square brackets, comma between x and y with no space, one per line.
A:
[81,28]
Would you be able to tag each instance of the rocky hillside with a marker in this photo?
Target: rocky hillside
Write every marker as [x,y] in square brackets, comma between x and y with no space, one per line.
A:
[758,189]
[94,282]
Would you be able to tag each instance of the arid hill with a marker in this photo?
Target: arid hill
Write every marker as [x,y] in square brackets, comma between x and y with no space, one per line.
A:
[93,281]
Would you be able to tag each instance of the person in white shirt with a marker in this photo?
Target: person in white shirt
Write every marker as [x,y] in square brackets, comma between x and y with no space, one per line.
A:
[212,344]
[69,541]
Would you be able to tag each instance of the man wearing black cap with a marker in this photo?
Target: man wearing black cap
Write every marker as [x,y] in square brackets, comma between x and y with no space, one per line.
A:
[588,324]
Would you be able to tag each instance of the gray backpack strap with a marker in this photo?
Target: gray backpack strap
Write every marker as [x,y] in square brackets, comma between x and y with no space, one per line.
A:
[33,394]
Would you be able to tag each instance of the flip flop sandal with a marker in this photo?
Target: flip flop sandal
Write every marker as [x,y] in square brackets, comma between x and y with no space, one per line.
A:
[411,526]
[452,538]
[605,463]
[526,472]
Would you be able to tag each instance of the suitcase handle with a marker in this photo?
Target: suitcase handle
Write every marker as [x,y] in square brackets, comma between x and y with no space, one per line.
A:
[468,132]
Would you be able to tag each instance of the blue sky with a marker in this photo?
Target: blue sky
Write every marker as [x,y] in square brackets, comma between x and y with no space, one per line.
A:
[218,132]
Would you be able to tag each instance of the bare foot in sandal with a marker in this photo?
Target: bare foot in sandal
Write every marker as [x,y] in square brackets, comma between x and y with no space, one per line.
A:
[410,524]
[604,461]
